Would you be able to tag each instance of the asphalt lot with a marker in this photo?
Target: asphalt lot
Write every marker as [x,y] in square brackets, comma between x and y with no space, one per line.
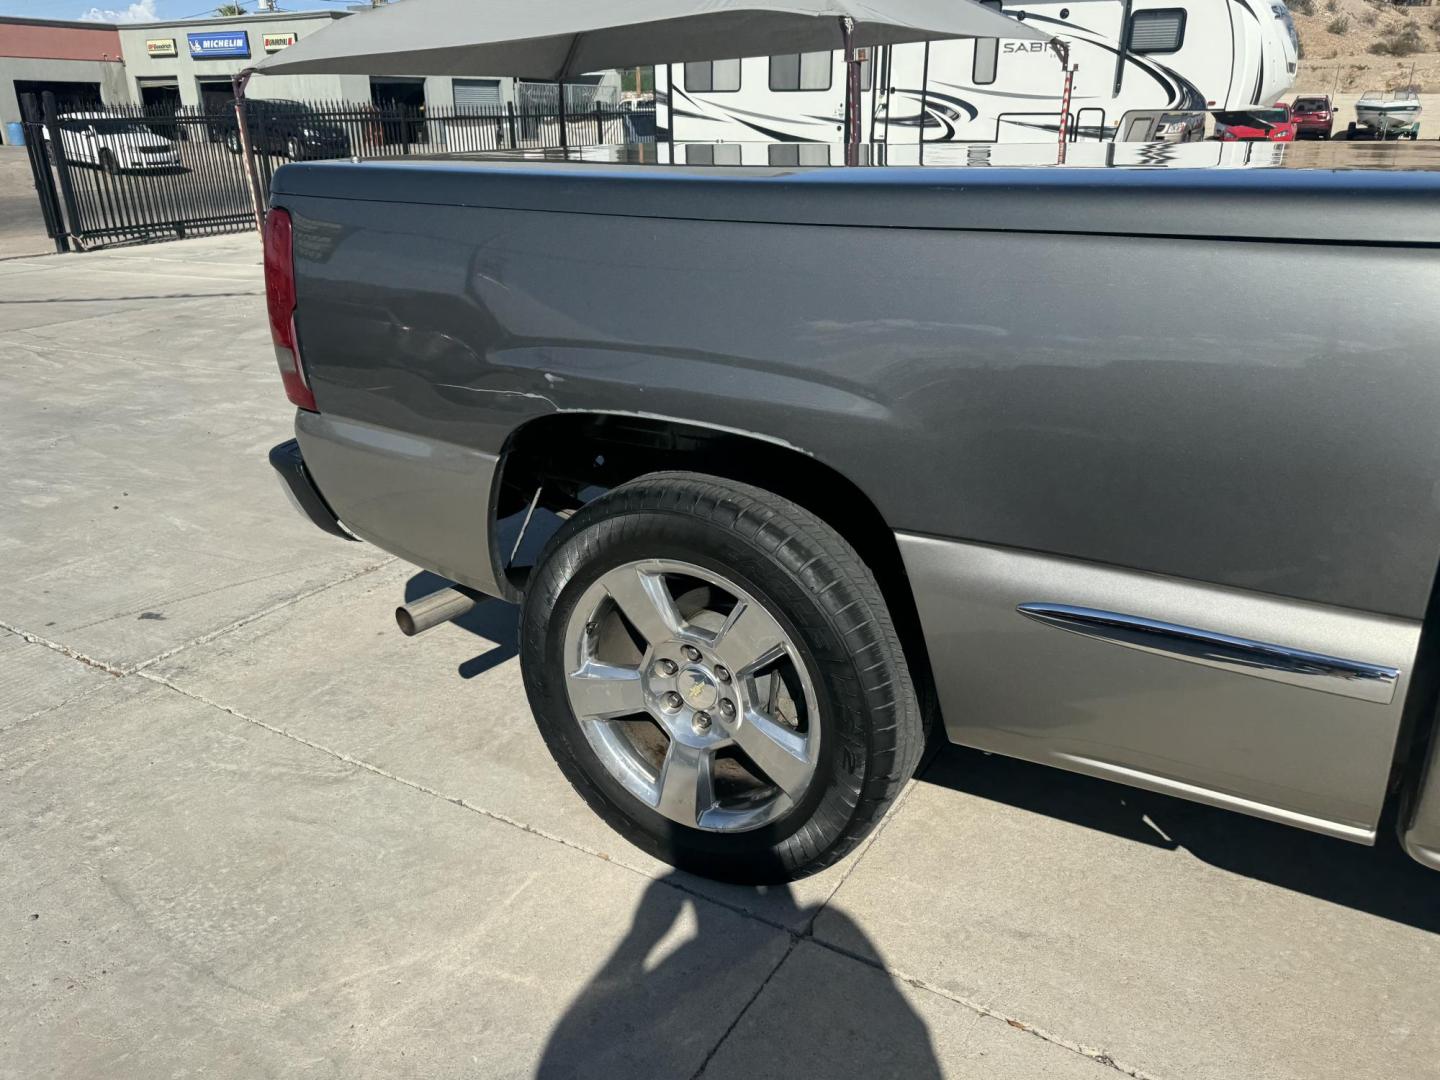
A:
[248,830]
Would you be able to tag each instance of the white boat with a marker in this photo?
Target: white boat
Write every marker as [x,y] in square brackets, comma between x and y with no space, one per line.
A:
[1388,113]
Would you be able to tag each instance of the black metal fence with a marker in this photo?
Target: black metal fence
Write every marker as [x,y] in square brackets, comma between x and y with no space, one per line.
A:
[128,174]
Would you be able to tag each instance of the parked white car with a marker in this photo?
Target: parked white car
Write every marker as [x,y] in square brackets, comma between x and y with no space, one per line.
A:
[115,144]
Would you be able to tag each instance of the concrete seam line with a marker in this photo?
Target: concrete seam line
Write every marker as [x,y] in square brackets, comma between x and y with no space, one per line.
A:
[63,650]
[809,930]
[245,620]
[494,815]
[1095,1054]
[204,639]
[790,948]
[360,763]
[46,710]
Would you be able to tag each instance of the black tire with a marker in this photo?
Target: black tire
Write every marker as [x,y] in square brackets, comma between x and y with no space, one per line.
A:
[109,164]
[232,142]
[824,597]
[293,149]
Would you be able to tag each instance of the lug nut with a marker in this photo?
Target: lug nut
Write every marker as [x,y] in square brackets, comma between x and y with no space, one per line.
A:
[691,653]
[701,721]
[666,667]
[673,701]
[722,673]
[727,707]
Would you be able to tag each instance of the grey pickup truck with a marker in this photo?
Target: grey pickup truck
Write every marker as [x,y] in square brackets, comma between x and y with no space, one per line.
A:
[1133,471]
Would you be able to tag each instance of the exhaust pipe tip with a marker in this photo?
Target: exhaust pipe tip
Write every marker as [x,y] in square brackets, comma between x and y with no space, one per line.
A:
[441,606]
[405,621]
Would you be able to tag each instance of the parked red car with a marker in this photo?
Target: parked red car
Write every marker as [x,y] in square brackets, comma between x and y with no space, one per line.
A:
[1313,116]
[1255,125]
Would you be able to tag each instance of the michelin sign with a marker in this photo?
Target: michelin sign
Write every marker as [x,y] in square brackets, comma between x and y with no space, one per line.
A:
[220,45]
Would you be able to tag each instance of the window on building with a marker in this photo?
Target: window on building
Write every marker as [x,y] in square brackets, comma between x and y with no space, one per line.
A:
[712,77]
[1159,31]
[801,71]
[987,53]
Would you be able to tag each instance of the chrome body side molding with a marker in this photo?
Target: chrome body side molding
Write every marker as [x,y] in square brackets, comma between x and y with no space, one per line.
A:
[1298,667]
[1238,724]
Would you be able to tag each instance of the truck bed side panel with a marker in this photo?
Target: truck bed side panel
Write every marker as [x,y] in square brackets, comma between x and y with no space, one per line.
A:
[1144,402]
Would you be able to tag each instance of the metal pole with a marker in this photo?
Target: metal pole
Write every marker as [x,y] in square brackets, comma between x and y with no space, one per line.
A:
[62,167]
[564,135]
[852,92]
[257,201]
[924,100]
[1062,51]
[35,150]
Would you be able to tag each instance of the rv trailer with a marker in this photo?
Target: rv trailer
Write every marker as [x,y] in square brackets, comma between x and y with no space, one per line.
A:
[1128,54]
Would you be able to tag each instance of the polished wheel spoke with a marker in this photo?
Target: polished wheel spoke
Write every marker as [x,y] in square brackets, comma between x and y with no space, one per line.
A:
[645,601]
[734,731]
[686,785]
[750,638]
[604,691]
[780,753]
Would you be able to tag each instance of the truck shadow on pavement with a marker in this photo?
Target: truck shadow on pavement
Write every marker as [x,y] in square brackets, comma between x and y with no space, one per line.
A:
[1381,881]
[493,620]
[665,1002]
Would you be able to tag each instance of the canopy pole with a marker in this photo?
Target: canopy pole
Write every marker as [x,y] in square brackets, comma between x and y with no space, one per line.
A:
[852,92]
[252,171]
[564,135]
[1062,52]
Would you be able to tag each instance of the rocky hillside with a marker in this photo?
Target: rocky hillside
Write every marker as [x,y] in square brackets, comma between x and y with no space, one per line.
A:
[1350,45]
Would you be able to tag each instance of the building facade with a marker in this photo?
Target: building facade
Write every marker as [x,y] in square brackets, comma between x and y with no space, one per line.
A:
[190,64]
[80,62]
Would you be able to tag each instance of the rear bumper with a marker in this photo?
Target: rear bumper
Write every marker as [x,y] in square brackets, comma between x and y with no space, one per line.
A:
[287,460]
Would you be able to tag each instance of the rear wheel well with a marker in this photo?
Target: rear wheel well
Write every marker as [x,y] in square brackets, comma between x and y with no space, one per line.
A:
[571,458]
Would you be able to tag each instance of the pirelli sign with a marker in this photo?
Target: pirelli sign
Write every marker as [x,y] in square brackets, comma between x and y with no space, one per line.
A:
[276,42]
[160,46]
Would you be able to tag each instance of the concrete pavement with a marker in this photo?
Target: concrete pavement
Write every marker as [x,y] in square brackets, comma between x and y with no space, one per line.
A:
[22,230]
[248,830]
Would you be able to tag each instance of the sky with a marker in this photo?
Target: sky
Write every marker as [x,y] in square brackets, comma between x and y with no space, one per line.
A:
[141,10]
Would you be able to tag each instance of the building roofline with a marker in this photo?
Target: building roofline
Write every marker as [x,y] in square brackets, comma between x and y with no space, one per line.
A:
[77,24]
[257,16]
[95,24]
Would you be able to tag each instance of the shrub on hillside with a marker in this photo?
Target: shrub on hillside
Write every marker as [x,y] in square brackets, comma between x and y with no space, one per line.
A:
[1401,41]
[1339,25]
[1435,24]
[1332,6]
[1370,18]
[1302,7]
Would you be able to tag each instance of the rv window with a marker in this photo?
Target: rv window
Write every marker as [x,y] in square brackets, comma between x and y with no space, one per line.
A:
[987,53]
[801,71]
[713,77]
[1158,31]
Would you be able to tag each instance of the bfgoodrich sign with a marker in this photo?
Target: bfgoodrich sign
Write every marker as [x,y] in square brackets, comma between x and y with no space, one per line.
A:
[216,45]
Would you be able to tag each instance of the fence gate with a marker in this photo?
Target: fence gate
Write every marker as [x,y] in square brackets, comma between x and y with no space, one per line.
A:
[132,173]
[137,173]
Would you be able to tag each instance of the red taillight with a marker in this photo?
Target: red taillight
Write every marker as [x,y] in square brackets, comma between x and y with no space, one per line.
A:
[280,299]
